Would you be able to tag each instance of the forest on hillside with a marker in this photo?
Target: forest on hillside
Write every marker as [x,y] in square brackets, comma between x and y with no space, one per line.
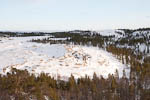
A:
[23,86]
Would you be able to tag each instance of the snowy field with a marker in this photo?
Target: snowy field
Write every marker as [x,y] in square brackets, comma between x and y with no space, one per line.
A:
[58,60]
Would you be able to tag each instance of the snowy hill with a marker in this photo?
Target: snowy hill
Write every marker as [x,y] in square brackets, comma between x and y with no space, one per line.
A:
[71,53]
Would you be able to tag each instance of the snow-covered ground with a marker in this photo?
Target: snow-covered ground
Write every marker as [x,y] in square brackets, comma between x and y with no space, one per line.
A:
[110,32]
[58,60]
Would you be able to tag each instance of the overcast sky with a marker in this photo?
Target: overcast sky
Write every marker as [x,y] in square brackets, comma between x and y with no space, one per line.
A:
[73,14]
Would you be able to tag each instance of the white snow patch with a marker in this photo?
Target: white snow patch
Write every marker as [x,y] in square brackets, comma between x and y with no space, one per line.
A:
[59,61]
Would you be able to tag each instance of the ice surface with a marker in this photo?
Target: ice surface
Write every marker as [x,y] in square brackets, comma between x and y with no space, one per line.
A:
[59,60]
